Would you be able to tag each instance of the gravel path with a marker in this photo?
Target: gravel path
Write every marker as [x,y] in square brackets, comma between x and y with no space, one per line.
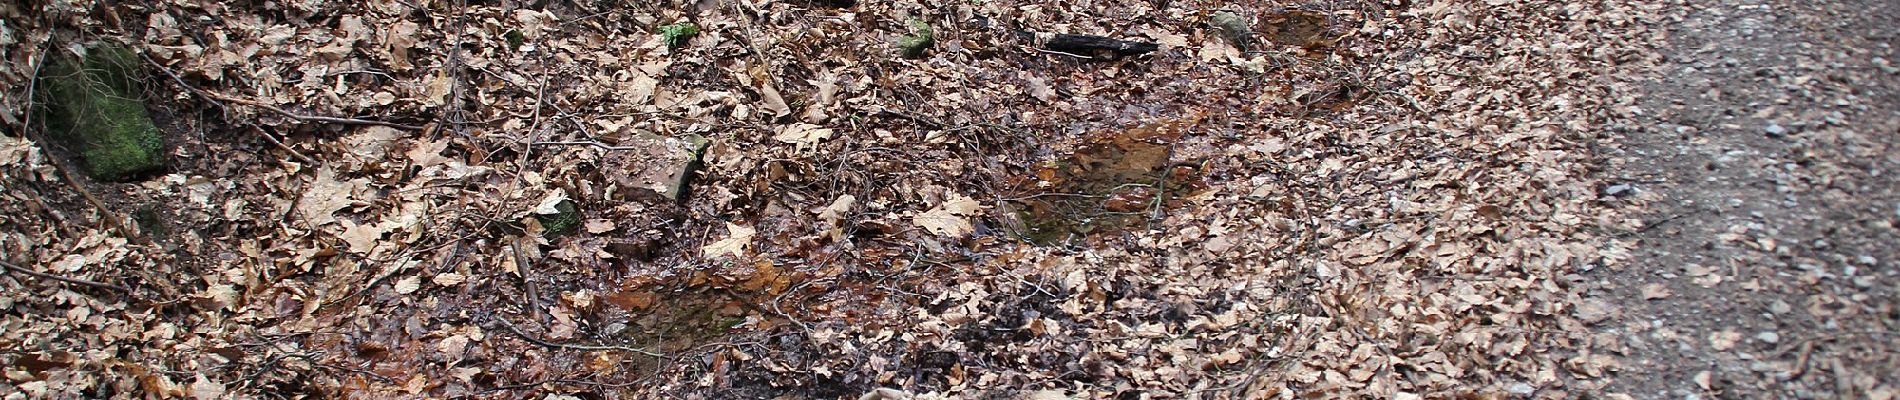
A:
[1762,159]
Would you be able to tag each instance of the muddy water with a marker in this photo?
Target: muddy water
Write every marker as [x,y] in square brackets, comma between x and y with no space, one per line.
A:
[1114,181]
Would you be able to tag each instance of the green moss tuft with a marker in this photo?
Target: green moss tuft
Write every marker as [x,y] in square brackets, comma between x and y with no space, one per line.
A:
[93,104]
[515,39]
[561,223]
[676,35]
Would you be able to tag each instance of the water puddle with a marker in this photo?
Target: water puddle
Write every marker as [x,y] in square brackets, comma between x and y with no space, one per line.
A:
[1113,181]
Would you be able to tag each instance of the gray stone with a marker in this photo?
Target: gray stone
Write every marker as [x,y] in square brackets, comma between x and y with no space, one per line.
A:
[1521,389]
[1775,130]
[1232,27]
[1619,190]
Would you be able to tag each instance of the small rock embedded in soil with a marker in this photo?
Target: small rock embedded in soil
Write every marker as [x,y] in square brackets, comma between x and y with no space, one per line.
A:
[1775,130]
[1619,190]
[654,168]
[1768,337]
[1780,307]
[1232,27]
[1521,389]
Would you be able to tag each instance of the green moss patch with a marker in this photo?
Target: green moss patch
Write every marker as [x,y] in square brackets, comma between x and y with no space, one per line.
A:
[93,104]
[561,223]
[676,35]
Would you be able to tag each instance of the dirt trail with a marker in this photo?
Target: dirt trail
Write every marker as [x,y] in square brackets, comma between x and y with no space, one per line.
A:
[1765,155]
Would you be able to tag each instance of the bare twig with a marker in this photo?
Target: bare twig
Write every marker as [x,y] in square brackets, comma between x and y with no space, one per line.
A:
[280,111]
[1801,361]
[1066,54]
[912,118]
[531,339]
[32,88]
[286,148]
[111,219]
[527,285]
[595,143]
[76,281]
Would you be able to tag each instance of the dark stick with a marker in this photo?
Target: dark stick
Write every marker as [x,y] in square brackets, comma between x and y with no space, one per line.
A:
[531,339]
[1096,45]
[81,282]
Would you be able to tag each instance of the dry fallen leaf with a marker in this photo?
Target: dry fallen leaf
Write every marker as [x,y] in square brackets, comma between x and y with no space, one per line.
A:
[453,347]
[205,388]
[449,279]
[361,238]
[1724,340]
[951,218]
[737,239]
[325,196]
[226,296]
[408,285]
[1655,291]
[804,135]
[598,225]
[837,210]
[428,153]
[550,205]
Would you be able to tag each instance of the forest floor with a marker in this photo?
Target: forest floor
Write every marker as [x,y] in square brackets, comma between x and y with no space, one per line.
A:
[837,199]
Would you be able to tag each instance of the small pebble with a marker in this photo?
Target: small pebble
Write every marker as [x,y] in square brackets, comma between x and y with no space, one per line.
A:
[1619,190]
[1521,389]
[1768,337]
[1780,307]
[1775,130]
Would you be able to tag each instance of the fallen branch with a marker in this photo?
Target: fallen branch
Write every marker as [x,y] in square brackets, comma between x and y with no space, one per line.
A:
[531,339]
[595,143]
[1098,46]
[76,281]
[280,111]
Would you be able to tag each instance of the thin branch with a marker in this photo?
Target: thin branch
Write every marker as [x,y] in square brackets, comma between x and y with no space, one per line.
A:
[531,339]
[1066,54]
[595,143]
[254,103]
[104,211]
[32,89]
[527,282]
[76,281]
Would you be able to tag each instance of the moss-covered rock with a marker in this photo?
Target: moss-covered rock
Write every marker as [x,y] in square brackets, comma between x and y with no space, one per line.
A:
[1232,27]
[655,169]
[918,41]
[92,103]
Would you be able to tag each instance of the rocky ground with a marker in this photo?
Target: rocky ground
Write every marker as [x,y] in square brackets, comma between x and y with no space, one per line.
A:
[908,200]
[1765,149]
